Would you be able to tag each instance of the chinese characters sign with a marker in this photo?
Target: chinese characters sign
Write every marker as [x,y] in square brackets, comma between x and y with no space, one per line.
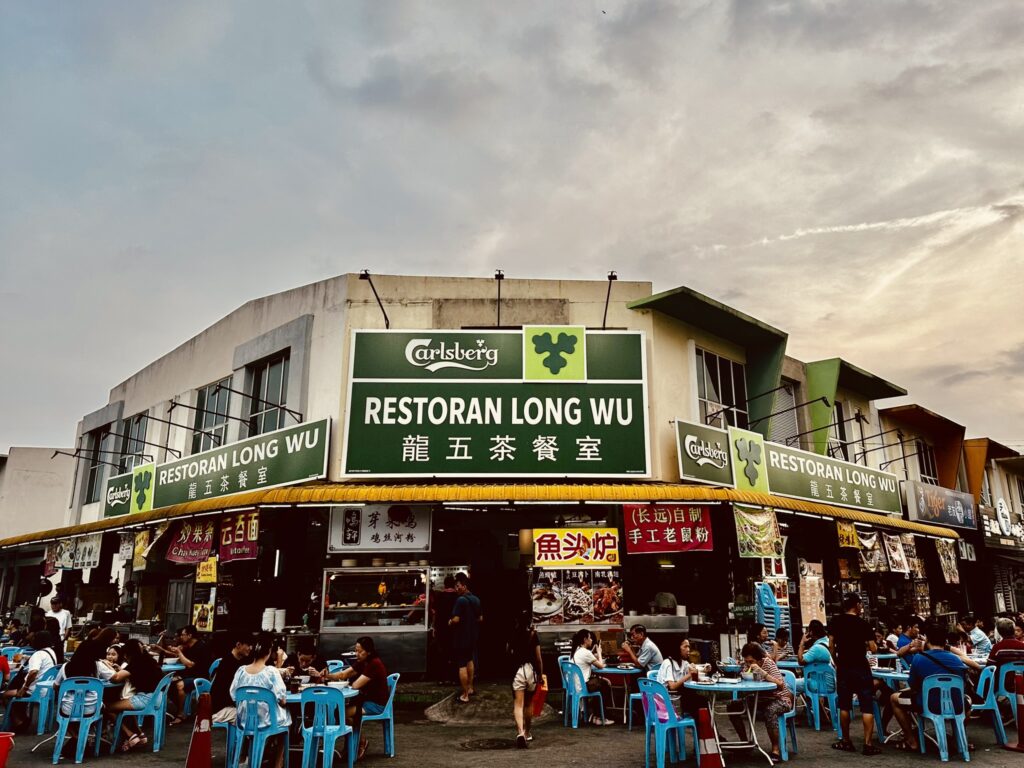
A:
[239,536]
[285,456]
[380,527]
[543,401]
[576,596]
[935,504]
[848,538]
[191,542]
[576,547]
[667,528]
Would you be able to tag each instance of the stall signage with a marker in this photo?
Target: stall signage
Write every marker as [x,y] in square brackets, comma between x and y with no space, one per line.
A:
[652,528]
[380,528]
[872,555]
[552,401]
[934,504]
[576,596]
[847,535]
[703,453]
[812,591]
[1001,530]
[141,548]
[87,551]
[202,616]
[947,560]
[206,573]
[191,542]
[64,556]
[282,457]
[576,547]
[894,552]
[757,532]
[748,460]
[239,536]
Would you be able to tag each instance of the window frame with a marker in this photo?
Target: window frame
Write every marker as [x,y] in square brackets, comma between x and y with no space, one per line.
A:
[260,381]
[709,379]
[837,439]
[99,446]
[926,461]
[134,431]
[204,427]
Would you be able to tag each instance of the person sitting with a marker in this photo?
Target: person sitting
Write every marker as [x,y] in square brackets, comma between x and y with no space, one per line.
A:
[107,667]
[261,674]
[306,662]
[43,658]
[641,649]
[814,645]
[141,675]
[195,655]
[15,632]
[932,660]
[893,638]
[56,643]
[1009,648]
[758,633]
[910,640]
[674,673]
[221,703]
[781,647]
[771,704]
[86,662]
[369,676]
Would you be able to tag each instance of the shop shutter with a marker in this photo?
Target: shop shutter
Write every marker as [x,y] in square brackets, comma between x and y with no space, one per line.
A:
[784,425]
[1004,587]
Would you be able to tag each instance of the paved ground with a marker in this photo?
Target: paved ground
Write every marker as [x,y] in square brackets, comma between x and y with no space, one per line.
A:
[425,744]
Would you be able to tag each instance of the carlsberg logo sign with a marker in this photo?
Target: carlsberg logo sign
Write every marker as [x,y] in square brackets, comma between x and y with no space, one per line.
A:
[704,453]
[435,355]
[117,496]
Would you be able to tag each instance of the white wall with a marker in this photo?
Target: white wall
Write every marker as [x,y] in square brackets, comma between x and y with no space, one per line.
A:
[34,490]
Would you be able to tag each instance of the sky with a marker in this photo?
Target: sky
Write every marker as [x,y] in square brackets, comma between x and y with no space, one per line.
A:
[852,173]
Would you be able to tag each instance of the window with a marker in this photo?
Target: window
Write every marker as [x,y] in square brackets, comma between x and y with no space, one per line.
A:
[133,442]
[926,462]
[838,445]
[785,427]
[721,383]
[269,390]
[210,430]
[1020,495]
[98,455]
[986,490]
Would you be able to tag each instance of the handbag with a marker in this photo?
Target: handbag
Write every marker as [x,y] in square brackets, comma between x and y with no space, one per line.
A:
[540,695]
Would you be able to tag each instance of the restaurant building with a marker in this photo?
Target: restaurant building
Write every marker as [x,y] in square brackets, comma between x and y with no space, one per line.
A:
[319,460]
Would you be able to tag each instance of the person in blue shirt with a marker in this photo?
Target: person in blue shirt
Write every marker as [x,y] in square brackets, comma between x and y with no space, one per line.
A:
[975,630]
[814,646]
[932,660]
[910,640]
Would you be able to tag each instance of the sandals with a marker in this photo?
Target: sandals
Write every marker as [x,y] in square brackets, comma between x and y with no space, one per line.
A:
[903,746]
[134,741]
[870,750]
[843,746]
[176,721]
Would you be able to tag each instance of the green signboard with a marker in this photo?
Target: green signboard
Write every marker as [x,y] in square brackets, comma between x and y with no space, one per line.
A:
[283,457]
[551,401]
[748,459]
[703,453]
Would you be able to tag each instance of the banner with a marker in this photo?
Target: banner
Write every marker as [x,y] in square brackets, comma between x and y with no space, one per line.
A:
[914,561]
[757,532]
[812,592]
[847,535]
[872,556]
[947,559]
[654,528]
[50,560]
[543,401]
[380,528]
[126,547]
[64,557]
[940,506]
[202,616]
[576,547]
[895,554]
[139,553]
[1001,530]
[206,573]
[191,542]
[239,536]
[87,550]
[577,596]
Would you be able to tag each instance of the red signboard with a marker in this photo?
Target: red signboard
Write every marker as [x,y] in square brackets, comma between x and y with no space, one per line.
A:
[654,528]
[191,543]
[239,536]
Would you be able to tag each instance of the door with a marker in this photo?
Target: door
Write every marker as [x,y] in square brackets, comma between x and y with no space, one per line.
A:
[179,603]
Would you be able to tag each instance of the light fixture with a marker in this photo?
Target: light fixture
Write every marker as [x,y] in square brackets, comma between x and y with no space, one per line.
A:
[612,277]
[499,275]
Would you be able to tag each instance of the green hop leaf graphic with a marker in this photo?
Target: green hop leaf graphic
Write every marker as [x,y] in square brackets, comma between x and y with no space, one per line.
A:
[142,482]
[749,452]
[554,362]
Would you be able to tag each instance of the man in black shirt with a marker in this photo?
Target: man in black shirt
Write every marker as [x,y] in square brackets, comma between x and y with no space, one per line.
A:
[850,638]
[305,661]
[220,690]
[196,657]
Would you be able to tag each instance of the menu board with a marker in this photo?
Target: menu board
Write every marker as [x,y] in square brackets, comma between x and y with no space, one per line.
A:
[576,596]
[812,592]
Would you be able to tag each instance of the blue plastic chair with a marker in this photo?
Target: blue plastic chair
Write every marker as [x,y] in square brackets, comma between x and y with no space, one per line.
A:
[386,718]
[938,690]
[10,652]
[335,665]
[638,698]
[42,696]
[820,684]
[78,712]
[213,668]
[787,723]
[328,725]
[561,678]
[986,690]
[202,685]
[1004,682]
[669,729]
[576,693]
[156,708]
[249,700]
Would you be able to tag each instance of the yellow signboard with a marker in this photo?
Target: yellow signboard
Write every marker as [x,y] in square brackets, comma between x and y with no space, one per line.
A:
[206,573]
[847,535]
[576,547]
[202,616]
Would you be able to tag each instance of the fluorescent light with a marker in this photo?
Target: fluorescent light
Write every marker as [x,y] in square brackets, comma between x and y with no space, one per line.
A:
[277,562]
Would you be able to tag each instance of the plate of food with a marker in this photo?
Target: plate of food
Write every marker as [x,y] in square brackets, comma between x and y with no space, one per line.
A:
[627,665]
[547,600]
[578,602]
[728,680]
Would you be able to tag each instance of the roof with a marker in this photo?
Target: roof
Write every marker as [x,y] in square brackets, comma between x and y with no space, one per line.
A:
[921,418]
[862,382]
[1013,463]
[993,450]
[322,494]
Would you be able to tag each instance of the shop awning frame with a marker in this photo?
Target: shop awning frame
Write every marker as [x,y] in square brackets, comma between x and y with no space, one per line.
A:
[322,494]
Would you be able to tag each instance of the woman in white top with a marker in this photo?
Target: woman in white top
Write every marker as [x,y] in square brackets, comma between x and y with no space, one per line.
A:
[42,659]
[674,673]
[583,656]
[260,674]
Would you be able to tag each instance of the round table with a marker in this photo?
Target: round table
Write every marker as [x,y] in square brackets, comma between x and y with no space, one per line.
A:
[624,674]
[791,664]
[295,700]
[748,689]
[891,676]
[172,667]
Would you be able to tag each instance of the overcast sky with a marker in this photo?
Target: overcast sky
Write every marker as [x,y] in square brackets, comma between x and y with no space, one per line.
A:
[852,173]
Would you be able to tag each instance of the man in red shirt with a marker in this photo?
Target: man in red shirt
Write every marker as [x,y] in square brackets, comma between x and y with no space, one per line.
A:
[1008,648]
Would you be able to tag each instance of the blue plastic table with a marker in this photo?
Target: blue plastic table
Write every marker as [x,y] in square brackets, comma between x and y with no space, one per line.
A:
[172,667]
[791,664]
[624,675]
[891,676]
[749,690]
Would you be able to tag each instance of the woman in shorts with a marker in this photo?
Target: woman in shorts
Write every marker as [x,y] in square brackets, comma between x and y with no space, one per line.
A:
[524,646]
[141,675]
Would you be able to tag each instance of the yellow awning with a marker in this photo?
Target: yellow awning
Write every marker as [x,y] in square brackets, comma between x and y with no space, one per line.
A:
[425,493]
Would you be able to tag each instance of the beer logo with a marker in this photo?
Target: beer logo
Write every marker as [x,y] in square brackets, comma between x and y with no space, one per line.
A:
[118,495]
[437,355]
[704,453]
[749,452]
[142,482]
[554,350]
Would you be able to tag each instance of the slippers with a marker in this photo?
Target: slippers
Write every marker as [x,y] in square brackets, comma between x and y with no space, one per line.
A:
[133,741]
[176,721]
[844,746]
[363,744]
[903,746]
[460,700]
[870,750]
[520,741]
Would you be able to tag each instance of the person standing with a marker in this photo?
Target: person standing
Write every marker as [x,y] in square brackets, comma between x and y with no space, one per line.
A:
[61,614]
[524,646]
[467,616]
[850,640]
[441,606]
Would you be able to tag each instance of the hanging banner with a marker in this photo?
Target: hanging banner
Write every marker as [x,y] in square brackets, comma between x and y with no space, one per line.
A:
[654,528]
[50,560]
[127,546]
[895,554]
[914,561]
[812,591]
[576,547]
[380,528]
[757,532]
[872,557]
[576,596]
[191,542]
[947,559]
[941,506]
[64,556]
[847,535]
[87,550]
[239,536]
[139,553]
[206,573]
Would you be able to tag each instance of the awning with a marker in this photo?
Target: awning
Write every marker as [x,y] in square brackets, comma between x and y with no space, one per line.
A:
[321,494]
